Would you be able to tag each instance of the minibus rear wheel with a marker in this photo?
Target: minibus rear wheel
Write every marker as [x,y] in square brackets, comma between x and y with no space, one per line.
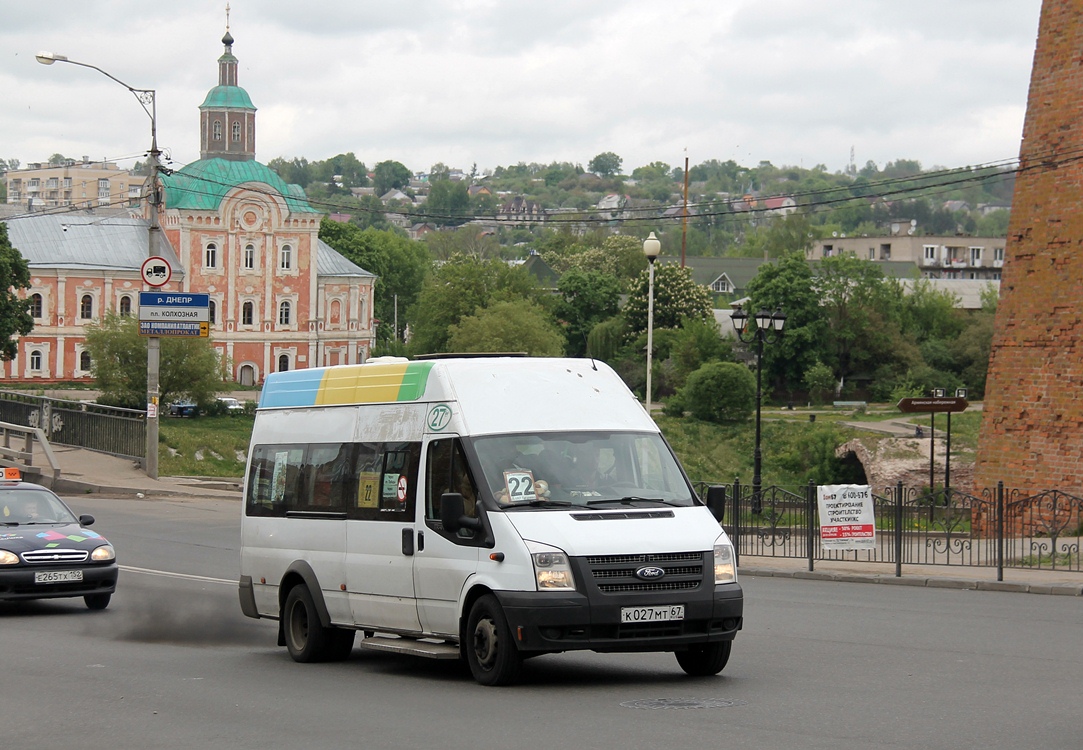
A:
[306,639]
[705,659]
[490,650]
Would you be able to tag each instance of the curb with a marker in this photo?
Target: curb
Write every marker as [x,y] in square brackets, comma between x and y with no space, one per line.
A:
[1056,589]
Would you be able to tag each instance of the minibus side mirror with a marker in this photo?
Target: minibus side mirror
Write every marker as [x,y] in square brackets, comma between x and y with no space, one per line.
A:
[453,513]
[716,502]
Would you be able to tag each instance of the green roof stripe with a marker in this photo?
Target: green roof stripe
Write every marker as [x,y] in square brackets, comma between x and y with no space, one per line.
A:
[414,380]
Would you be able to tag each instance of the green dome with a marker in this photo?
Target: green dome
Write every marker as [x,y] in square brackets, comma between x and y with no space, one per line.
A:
[203,184]
[227,97]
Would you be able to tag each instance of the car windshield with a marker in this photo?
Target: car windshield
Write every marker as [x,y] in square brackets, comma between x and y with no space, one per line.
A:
[561,469]
[30,506]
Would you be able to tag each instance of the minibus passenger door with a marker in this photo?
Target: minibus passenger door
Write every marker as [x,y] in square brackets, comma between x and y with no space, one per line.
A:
[444,559]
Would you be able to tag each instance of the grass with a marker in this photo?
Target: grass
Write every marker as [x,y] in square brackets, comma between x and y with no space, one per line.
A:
[204,446]
[792,446]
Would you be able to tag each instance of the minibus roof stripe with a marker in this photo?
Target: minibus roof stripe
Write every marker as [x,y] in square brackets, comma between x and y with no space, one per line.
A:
[347,384]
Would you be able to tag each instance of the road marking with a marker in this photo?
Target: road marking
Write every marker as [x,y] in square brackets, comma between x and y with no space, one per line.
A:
[169,574]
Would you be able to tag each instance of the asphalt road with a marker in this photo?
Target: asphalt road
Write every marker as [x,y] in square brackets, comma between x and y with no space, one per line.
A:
[173,664]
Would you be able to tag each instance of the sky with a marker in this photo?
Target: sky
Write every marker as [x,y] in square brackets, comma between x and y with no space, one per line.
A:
[496,82]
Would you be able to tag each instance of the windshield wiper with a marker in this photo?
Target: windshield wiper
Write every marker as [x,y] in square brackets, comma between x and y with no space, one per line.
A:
[540,502]
[630,500]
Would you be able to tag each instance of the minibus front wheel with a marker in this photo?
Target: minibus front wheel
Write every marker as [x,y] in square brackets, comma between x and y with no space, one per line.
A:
[705,659]
[307,640]
[490,650]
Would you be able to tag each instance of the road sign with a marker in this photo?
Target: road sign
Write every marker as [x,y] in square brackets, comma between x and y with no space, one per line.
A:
[168,328]
[926,405]
[156,271]
[179,307]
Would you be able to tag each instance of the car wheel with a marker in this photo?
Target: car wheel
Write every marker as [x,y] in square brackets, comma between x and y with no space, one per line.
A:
[97,601]
[306,639]
[705,659]
[490,650]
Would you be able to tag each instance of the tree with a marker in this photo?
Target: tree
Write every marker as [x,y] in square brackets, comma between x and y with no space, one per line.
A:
[448,202]
[469,240]
[511,326]
[605,164]
[189,366]
[676,297]
[15,317]
[390,175]
[820,381]
[719,392]
[787,285]
[400,265]
[586,299]
[457,289]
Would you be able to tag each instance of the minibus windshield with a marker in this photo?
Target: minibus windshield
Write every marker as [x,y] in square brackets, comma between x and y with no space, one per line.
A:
[599,469]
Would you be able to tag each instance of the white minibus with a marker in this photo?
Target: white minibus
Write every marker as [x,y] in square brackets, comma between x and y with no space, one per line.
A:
[484,508]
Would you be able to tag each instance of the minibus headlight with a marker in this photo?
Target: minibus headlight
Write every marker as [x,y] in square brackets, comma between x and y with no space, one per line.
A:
[725,563]
[552,571]
[8,558]
[103,553]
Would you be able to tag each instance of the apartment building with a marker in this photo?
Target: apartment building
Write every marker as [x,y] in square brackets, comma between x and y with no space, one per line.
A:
[89,184]
[937,257]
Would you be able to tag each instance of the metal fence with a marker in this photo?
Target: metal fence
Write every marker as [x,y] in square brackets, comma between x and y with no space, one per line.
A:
[108,429]
[997,528]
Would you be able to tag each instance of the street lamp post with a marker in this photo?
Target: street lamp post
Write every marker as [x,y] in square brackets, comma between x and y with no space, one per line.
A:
[651,248]
[766,324]
[146,99]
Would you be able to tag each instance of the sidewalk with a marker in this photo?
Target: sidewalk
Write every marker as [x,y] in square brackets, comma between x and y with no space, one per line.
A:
[83,471]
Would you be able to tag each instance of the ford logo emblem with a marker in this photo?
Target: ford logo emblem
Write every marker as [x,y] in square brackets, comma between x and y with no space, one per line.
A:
[650,573]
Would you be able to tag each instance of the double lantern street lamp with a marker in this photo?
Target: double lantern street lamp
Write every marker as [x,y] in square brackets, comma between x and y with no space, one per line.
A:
[651,248]
[146,99]
[768,330]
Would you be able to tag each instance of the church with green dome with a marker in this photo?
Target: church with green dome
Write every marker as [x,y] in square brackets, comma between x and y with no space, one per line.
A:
[280,298]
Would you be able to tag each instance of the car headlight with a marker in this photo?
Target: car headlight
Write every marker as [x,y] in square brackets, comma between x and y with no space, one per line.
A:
[725,562]
[103,553]
[552,571]
[8,558]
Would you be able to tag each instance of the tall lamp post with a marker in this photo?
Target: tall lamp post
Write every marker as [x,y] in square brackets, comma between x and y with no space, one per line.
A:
[146,99]
[768,330]
[651,248]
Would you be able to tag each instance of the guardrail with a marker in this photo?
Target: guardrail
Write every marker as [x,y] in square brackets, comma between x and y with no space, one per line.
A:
[23,459]
[107,429]
[995,528]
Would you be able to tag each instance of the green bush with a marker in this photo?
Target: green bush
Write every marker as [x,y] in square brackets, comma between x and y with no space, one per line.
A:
[720,392]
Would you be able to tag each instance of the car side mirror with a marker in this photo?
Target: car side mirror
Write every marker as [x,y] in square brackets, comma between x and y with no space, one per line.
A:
[453,513]
[716,502]
[86,520]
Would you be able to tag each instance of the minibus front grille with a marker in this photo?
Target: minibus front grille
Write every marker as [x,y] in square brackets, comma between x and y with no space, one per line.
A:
[616,574]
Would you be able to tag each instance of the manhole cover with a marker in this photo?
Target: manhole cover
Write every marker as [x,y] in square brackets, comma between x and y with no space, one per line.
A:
[682,703]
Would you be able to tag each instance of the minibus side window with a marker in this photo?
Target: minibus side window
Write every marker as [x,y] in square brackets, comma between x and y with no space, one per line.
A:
[275,482]
[448,472]
[384,484]
[330,475]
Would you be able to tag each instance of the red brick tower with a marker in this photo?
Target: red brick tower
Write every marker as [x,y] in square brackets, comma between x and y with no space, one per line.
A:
[1032,429]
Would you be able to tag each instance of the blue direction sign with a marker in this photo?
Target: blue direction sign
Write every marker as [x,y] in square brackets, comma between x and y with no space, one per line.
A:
[174,314]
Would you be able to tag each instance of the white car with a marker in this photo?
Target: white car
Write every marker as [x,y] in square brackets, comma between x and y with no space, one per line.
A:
[231,405]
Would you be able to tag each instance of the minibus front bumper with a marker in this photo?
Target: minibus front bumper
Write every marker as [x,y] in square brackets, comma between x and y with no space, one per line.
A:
[544,621]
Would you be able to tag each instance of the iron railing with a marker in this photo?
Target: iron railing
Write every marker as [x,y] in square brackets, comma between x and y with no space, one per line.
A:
[107,429]
[996,528]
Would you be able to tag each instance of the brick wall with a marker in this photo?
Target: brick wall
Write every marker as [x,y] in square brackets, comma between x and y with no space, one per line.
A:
[1032,429]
